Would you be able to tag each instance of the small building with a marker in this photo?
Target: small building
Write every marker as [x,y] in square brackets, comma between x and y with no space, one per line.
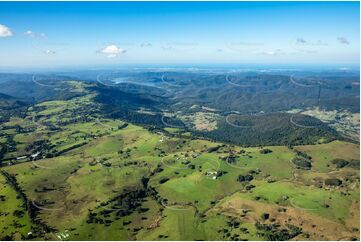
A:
[35,155]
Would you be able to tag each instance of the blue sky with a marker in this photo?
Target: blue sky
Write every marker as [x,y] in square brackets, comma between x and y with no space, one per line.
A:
[51,34]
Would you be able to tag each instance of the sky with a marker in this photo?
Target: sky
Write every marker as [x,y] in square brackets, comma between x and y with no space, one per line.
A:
[56,34]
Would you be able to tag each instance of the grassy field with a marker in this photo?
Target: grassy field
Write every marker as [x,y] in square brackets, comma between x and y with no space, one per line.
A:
[102,179]
[14,219]
[322,154]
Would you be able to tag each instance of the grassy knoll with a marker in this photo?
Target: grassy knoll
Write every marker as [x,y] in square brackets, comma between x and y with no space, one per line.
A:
[249,211]
[322,154]
[326,203]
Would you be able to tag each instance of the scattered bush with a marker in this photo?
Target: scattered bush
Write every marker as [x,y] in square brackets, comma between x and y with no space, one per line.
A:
[274,232]
[265,151]
[265,216]
[333,182]
[340,163]
[301,162]
[245,178]
[163,180]
[249,187]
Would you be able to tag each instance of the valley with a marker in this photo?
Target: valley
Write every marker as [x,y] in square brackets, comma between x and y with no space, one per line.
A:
[93,162]
[180,120]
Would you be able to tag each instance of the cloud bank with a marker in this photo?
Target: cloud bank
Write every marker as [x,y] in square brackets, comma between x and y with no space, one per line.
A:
[5,31]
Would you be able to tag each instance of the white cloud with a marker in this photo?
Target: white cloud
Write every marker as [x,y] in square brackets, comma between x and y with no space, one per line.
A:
[343,40]
[245,46]
[5,31]
[42,35]
[179,46]
[29,33]
[272,53]
[308,46]
[112,51]
[32,34]
[301,41]
[49,52]
[146,44]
